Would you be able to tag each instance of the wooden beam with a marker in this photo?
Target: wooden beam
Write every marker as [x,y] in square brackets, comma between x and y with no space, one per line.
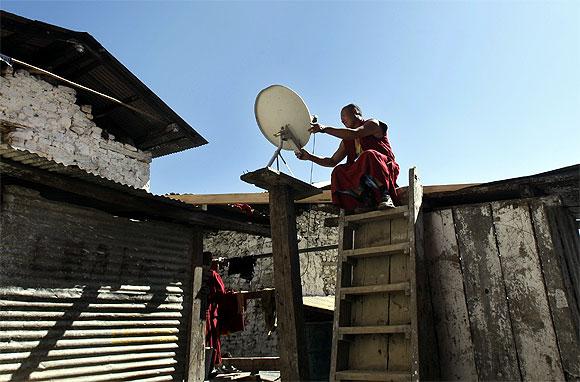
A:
[289,306]
[268,179]
[124,202]
[253,364]
[293,356]
[301,250]
[324,197]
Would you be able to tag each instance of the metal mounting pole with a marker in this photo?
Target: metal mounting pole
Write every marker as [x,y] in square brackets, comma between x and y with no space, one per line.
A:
[276,153]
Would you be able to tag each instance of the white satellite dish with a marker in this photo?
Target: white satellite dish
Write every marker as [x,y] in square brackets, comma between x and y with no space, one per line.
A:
[283,118]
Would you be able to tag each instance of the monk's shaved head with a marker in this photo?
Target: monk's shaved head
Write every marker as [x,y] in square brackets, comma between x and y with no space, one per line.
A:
[354,109]
[351,116]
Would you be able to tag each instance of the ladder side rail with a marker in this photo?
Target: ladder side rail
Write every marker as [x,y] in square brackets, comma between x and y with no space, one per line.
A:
[345,242]
[415,199]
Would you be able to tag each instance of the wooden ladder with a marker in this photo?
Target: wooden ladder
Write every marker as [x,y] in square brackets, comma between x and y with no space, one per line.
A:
[375,318]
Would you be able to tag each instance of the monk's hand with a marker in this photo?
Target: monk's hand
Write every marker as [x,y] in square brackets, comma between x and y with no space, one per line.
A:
[302,154]
[316,128]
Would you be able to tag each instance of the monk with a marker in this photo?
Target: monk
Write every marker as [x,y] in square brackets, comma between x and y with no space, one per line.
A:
[368,179]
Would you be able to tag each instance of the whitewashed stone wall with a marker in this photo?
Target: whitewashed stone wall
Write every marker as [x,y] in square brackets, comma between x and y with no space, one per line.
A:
[45,119]
[318,274]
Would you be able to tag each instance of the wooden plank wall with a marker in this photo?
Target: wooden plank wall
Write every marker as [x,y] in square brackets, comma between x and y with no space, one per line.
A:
[503,291]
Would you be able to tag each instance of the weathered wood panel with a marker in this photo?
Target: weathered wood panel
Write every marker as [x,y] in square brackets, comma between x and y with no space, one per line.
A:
[424,344]
[494,347]
[570,252]
[530,316]
[560,300]
[448,298]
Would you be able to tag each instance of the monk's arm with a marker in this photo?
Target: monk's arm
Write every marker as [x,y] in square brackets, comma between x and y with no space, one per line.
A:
[371,127]
[336,158]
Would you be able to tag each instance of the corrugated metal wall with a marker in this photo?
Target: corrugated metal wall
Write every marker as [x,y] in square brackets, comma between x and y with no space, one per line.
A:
[87,296]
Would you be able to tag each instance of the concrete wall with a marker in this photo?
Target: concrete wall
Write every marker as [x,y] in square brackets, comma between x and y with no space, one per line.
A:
[45,119]
[318,274]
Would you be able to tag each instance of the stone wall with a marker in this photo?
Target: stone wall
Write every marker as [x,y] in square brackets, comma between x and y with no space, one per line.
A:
[318,274]
[45,119]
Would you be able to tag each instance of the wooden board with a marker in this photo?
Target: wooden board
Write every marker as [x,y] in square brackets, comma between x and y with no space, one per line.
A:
[560,301]
[456,357]
[530,316]
[494,348]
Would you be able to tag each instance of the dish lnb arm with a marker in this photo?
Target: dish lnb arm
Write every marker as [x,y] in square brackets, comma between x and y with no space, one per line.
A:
[285,134]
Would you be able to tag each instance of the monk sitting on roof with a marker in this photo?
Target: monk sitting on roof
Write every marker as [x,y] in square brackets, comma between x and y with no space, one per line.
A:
[368,178]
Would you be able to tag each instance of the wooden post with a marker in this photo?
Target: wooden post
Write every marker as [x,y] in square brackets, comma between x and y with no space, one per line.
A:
[196,356]
[283,190]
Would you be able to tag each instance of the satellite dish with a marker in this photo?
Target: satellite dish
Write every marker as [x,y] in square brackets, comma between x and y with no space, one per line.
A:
[283,117]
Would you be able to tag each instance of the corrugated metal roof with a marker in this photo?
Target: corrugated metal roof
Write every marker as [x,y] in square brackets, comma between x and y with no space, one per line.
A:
[229,218]
[78,57]
[319,302]
[32,159]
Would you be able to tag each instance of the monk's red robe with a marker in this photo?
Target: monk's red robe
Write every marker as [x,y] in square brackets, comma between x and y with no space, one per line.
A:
[376,160]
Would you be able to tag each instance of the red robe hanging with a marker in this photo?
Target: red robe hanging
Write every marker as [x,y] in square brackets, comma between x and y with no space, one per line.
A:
[212,331]
[224,315]
[376,160]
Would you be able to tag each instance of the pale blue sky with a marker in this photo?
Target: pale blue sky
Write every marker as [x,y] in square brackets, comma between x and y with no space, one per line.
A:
[472,91]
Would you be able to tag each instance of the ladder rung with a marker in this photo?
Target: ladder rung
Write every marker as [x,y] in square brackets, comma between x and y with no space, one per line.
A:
[368,289]
[366,217]
[383,329]
[390,249]
[372,375]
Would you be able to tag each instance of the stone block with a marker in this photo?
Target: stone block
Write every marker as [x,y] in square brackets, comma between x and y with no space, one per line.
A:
[64,158]
[43,85]
[51,107]
[22,73]
[78,129]
[129,147]
[28,111]
[83,149]
[67,147]
[16,141]
[67,90]
[22,134]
